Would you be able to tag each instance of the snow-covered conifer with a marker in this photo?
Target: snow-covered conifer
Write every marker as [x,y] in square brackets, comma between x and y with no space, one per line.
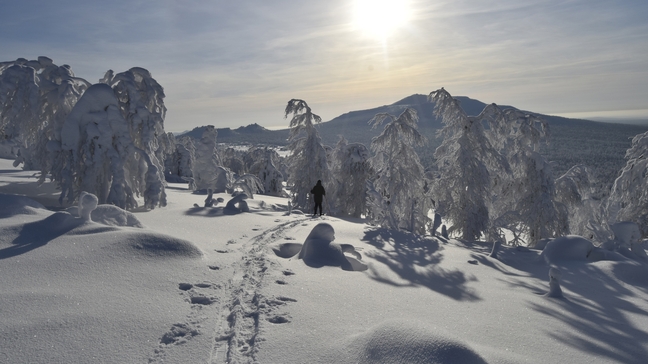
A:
[400,177]
[628,200]
[248,184]
[526,202]
[465,160]
[269,175]
[19,101]
[307,160]
[141,100]
[350,168]
[205,168]
[96,147]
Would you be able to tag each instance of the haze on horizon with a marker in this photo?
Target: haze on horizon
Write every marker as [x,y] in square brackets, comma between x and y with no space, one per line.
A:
[235,63]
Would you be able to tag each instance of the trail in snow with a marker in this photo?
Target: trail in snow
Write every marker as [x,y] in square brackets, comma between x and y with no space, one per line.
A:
[237,332]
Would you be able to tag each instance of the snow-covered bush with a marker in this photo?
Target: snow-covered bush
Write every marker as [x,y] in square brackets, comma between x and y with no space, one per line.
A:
[87,203]
[398,196]
[307,160]
[237,204]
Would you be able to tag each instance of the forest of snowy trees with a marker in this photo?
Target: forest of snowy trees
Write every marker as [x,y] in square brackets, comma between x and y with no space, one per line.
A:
[489,180]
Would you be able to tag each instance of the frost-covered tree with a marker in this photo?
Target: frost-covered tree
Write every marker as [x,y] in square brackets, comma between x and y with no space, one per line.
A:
[307,161]
[268,173]
[247,184]
[179,165]
[628,200]
[350,168]
[208,173]
[232,159]
[526,201]
[96,147]
[465,160]
[141,101]
[19,99]
[36,97]
[574,190]
[399,186]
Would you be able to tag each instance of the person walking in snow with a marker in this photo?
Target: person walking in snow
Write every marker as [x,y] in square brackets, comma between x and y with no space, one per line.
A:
[318,193]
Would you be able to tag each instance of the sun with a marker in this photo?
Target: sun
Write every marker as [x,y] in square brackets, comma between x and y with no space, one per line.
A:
[380,18]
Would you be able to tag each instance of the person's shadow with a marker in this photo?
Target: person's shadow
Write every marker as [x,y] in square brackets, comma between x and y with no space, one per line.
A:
[37,234]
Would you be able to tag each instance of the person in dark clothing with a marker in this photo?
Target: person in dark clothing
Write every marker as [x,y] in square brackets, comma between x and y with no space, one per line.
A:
[318,193]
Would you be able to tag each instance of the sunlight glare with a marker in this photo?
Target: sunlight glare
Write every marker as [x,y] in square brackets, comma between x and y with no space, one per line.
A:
[380,18]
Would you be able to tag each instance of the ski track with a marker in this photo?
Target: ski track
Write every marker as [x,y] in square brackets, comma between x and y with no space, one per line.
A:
[236,335]
[234,307]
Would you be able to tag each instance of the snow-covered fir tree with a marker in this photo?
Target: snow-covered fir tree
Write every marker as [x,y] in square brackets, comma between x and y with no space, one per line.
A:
[350,168]
[141,100]
[19,100]
[37,96]
[232,160]
[268,173]
[525,201]
[465,159]
[628,200]
[574,190]
[307,161]
[97,147]
[207,170]
[398,199]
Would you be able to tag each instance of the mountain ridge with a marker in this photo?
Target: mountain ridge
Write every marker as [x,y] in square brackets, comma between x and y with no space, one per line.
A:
[600,145]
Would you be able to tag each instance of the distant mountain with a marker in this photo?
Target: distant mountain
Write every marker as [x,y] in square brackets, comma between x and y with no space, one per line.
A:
[599,145]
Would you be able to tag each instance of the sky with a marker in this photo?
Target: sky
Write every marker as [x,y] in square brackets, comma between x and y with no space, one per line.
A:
[233,63]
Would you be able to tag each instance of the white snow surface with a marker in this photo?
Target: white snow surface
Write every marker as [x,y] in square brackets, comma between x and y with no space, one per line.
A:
[196,285]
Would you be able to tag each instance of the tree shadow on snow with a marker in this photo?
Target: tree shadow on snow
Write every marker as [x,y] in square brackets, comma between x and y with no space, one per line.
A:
[415,260]
[596,306]
[37,234]
[602,324]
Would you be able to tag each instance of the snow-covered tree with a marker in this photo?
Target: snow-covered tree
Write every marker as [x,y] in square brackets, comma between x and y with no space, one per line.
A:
[526,202]
[399,185]
[36,97]
[248,184]
[574,190]
[178,166]
[19,99]
[307,161]
[141,100]
[208,172]
[96,147]
[350,168]
[232,160]
[628,200]
[268,173]
[465,160]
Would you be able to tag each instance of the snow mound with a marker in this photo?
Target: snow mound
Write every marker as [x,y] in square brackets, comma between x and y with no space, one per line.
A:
[114,216]
[153,245]
[404,342]
[320,250]
[626,232]
[110,215]
[567,248]
[11,205]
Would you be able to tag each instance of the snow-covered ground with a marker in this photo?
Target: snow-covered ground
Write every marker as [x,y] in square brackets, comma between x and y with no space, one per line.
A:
[209,285]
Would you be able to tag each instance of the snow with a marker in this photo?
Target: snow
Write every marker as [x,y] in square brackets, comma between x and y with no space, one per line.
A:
[196,285]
